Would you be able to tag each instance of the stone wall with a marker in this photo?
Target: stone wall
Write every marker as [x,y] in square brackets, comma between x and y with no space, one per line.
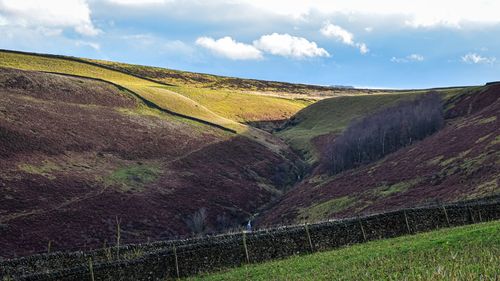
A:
[170,259]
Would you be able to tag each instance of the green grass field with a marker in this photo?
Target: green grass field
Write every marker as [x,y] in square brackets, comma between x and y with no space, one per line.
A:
[464,253]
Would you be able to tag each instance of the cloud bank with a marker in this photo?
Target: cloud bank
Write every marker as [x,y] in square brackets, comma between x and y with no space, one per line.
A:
[49,14]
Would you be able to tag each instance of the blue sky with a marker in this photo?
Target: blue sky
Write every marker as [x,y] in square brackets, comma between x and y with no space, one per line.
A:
[364,43]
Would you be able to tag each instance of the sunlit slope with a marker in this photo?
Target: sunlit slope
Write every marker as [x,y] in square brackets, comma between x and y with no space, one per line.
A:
[243,107]
[241,100]
[149,90]
[186,78]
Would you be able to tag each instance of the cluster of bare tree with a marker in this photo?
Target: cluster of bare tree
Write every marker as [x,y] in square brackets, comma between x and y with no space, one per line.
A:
[199,224]
[384,132]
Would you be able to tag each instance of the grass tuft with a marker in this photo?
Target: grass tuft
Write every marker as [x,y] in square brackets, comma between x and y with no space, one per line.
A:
[134,177]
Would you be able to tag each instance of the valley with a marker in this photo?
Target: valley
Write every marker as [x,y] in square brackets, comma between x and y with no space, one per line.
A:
[86,145]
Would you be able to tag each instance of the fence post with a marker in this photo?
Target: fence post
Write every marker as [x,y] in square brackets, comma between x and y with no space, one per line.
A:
[362,228]
[245,246]
[480,218]
[91,270]
[176,261]
[406,220]
[309,237]
[446,215]
[118,236]
[471,215]
[49,246]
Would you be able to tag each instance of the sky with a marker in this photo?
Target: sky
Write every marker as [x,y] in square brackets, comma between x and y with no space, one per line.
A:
[361,43]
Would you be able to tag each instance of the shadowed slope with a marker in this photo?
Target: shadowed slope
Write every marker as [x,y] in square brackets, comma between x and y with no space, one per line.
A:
[77,153]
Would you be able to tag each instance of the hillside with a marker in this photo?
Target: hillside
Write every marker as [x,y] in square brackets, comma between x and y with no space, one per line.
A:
[463,253]
[77,153]
[148,90]
[459,162]
[306,130]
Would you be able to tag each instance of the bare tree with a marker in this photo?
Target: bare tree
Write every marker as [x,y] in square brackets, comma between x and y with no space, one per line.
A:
[197,221]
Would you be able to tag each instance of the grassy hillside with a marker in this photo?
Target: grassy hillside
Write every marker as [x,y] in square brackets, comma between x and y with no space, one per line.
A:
[243,107]
[461,161]
[463,253]
[76,153]
[209,81]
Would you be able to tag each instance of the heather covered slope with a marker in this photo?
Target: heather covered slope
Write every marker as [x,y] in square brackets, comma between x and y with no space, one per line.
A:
[462,161]
[75,154]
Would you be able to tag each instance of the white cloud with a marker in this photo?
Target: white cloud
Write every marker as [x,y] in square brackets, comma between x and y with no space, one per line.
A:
[416,57]
[368,29]
[49,14]
[473,58]
[334,31]
[409,58]
[275,44]
[362,48]
[138,2]
[289,46]
[229,48]
[337,32]
[92,45]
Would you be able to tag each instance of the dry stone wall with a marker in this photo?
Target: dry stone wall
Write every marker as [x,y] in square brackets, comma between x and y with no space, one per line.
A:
[180,258]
